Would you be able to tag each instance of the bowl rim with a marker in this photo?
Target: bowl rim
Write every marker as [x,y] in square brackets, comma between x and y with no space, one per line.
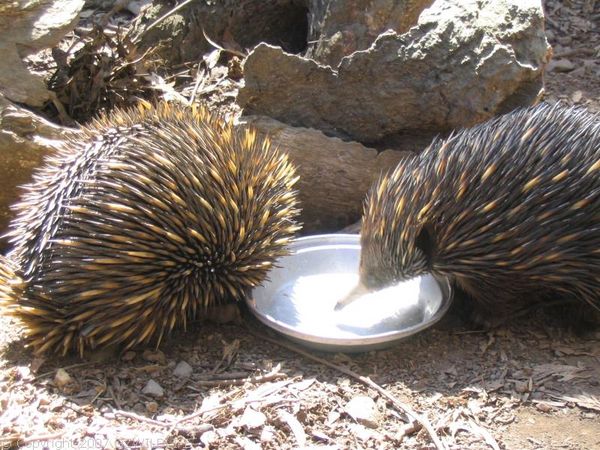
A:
[363,341]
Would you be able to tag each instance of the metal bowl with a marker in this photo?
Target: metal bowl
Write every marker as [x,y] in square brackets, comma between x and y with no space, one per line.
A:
[312,321]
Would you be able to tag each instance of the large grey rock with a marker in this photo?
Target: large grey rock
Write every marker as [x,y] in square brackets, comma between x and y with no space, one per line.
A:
[334,175]
[339,27]
[27,26]
[464,61]
[24,141]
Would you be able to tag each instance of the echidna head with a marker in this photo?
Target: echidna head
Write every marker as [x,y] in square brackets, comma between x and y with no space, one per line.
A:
[384,263]
[397,232]
[396,240]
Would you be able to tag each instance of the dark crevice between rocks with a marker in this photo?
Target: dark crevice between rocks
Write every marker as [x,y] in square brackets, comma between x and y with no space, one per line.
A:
[238,24]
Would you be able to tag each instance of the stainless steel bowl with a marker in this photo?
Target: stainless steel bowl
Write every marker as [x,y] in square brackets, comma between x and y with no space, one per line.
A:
[313,321]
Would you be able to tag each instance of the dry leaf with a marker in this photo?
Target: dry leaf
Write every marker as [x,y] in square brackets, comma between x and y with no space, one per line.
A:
[295,426]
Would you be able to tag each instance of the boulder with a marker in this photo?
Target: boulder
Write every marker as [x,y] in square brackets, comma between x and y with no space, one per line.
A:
[338,28]
[334,175]
[462,63]
[27,26]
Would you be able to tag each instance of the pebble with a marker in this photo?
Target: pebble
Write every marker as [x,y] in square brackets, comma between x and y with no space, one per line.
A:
[151,407]
[154,356]
[267,434]
[135,7]
[128,356]
[153,388]
[183,370]
[543,407]
[22,372]
[364,410]
[521,387]
[560,65]
[576,96]
[62,378]
[209,438]
[252,419]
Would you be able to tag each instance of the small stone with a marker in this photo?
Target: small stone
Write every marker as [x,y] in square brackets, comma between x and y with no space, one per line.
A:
[543,407]
[62,378]
[252,419]
[576,96]
[267,435]
[361,432]
[183,370]
[154,356]
[22,372]
[521,387]
[246,443]
[136,7]
[364,410]
[36,364]
[128,356]
[153,388]
[151,407]
[208,438]
[560,65]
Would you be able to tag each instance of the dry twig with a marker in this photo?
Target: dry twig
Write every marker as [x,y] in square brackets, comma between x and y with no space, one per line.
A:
[271,376]
[413,415]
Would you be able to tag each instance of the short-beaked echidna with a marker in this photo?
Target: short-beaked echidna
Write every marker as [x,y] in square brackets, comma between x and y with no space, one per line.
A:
[151,216]
[509,210]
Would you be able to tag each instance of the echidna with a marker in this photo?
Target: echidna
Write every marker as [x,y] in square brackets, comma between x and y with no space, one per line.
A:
[509,210]
[151,216]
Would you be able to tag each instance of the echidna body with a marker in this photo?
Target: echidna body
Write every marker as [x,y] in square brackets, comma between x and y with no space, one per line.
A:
[509,210]
[150,217]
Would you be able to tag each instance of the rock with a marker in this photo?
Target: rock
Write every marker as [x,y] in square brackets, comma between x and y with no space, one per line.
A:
[561,65]
[463,62]
[209,438]
[136,7]
[27,26]
[183,370]
[25,139]
[21,373]
[155,356]
[153,389]
[151,407]
[267,435]
[252,419]
[128,356]
[62,378]
[364,410]
[338,28]
[334,175]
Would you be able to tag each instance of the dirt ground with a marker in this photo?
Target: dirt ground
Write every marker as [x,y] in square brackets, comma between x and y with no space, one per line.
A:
[530,385]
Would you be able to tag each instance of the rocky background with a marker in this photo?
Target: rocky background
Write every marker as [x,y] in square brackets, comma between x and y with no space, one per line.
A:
[346,87]
[348,91]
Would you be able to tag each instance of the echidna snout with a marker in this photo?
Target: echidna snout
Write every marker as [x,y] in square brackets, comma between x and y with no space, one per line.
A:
[509,210]
[150,217]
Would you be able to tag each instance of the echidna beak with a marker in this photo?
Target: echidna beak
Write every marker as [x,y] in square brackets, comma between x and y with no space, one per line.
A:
[359,290]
